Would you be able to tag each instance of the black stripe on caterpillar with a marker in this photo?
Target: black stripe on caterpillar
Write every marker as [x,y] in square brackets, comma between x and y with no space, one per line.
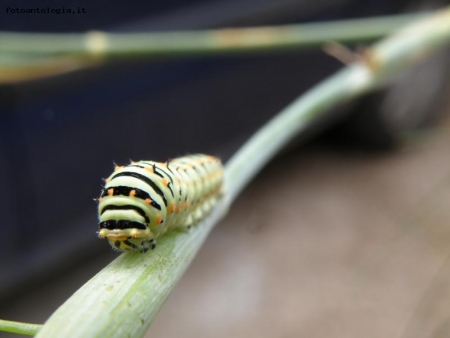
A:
[144,200]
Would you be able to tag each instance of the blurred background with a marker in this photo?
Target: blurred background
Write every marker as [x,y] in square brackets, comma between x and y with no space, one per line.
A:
[344,235]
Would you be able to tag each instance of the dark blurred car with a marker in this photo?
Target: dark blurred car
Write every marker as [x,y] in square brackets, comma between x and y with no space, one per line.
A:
[60,136]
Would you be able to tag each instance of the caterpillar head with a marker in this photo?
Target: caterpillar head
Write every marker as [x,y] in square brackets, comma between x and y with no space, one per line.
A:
[127,235]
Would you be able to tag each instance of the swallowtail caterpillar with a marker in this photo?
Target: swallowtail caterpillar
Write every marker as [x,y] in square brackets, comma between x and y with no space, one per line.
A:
[144,200]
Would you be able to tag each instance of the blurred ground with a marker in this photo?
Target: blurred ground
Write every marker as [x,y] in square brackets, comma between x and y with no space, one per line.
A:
[327,242]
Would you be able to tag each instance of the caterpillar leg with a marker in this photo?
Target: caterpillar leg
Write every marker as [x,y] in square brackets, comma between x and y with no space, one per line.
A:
[133,244]
[206,207]
[144,247]
[198,215]
[147,244]
[184,227]
[153,244]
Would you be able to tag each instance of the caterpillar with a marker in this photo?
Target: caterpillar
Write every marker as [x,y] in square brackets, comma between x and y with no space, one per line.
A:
[144,200]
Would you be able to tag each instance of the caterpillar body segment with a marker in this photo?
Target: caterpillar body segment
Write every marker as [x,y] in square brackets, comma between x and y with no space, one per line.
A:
[142,201]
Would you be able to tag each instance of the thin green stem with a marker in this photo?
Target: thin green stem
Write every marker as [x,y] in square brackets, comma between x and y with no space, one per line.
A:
[26,329]
[25,56]
[230,40]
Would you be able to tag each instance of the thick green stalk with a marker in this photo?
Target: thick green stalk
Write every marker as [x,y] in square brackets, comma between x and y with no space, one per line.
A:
[124,298]
[219,41]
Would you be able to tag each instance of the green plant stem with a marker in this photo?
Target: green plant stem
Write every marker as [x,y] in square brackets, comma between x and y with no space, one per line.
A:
[19,328]
[378,65]
[123,299]
[230,40]
[25,56]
